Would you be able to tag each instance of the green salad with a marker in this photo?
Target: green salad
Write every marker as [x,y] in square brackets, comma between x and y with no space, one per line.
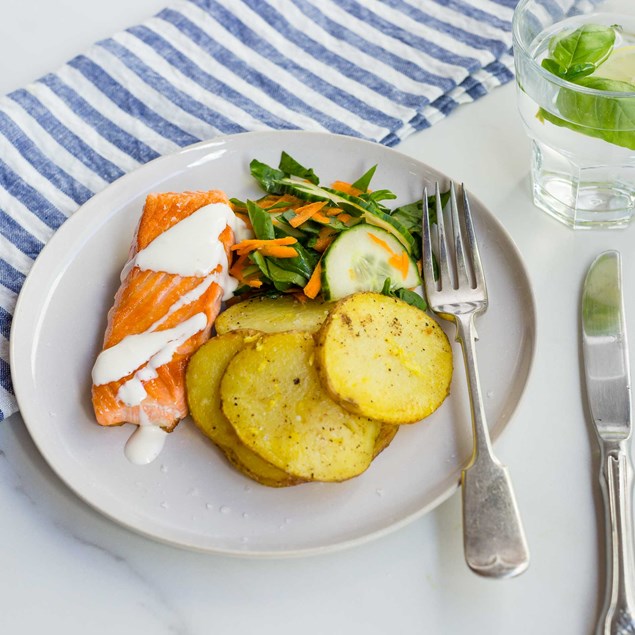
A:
[330,241]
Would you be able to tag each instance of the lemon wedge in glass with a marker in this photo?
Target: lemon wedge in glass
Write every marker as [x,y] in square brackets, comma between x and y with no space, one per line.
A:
[619,66]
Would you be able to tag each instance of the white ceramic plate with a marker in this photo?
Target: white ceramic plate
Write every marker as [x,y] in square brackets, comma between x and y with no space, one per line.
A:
[190,496]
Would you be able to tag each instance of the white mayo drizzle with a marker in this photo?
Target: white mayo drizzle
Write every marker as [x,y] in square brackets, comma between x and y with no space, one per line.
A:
[134,350]
[145,443]
[189,248]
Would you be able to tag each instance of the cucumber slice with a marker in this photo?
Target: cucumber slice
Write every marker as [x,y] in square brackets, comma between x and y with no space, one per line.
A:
[362,258]
[392,226]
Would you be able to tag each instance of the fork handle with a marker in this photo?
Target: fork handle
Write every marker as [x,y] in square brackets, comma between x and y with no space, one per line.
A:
[493,536]
[616,480]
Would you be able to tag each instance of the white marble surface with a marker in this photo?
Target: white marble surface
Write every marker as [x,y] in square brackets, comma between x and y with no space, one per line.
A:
[66,569]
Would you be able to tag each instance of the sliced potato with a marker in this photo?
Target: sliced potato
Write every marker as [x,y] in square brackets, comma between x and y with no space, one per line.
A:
[387,433]
[273,398]
[272,315]
[203,377]
[382,358]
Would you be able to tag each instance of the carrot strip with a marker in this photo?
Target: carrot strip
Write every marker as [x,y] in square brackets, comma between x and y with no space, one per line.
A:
[252,244]
[305,212]
[400,262]
[347,188]
[382,243]
[314,284]
[324,239]
[277,251]
[320,218]
[236,270]
[345,218]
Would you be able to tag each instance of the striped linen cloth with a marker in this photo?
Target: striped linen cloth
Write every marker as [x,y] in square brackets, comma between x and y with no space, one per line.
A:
[377,70]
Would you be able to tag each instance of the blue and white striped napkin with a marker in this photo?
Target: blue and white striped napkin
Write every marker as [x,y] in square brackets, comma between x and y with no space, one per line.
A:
[374,69]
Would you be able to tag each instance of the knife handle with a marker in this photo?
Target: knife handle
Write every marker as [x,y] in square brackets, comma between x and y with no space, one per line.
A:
[616,479]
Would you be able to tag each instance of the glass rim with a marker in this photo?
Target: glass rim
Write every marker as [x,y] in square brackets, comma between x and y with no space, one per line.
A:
[518,45]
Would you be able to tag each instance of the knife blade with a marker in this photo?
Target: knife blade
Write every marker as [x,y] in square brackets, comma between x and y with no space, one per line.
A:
[608,384]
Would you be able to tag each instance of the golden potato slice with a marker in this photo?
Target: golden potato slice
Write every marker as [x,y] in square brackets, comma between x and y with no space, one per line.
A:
[273,315]
[202,380]
[273,398]
[382,358]
[387,433]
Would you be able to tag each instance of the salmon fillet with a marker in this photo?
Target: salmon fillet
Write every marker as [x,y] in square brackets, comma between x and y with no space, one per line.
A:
[146,298]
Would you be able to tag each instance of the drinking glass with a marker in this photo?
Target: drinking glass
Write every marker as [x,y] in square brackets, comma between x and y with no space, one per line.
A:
[580,117]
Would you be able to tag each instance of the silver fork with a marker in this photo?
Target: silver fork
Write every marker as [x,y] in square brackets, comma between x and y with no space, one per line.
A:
[493,536]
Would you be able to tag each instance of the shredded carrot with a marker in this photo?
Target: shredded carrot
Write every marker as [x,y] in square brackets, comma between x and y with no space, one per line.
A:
[324,239]
[237,271]
[273,199]
[314,284]
[333,211]
[320,218]
[238,267]
[252,244]
[382,243]
[345,218]
[305,212]
[400,262]
[347,188]
[277,251]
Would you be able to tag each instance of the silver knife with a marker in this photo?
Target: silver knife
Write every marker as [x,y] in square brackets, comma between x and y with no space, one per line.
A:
[608,383]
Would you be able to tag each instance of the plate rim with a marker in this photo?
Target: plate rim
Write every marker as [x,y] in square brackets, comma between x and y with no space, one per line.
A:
[122,182]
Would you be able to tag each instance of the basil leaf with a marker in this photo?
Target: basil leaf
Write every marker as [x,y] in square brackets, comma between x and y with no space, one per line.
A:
[590,44]
[578,71]
[260,221]
[363,181]
[609,118]
[553,67]
[291,167]
[267,177]
[570,74]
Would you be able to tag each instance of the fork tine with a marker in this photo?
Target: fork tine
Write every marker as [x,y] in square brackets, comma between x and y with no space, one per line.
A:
[461,272]
[444,270]
[428,266]
[477,267]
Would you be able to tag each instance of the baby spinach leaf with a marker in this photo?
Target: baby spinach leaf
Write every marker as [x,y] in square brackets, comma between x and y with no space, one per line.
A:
[260,221]
[379,195]
[291,167]
[409,297]
[237,203]
[363,181]
[281,280]
[267,177]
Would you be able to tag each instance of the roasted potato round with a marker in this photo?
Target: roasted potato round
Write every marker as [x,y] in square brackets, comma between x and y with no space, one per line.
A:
[387,433]
[203,377]
[273,315]
[274,400]
[382,358]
